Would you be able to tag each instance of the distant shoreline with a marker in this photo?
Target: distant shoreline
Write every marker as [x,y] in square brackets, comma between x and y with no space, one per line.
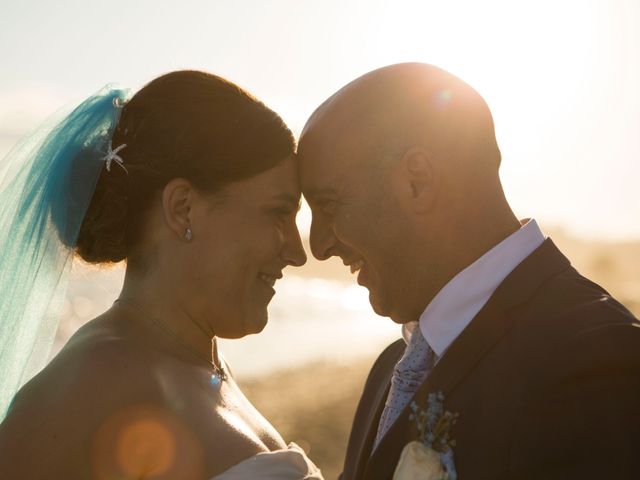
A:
[313,405]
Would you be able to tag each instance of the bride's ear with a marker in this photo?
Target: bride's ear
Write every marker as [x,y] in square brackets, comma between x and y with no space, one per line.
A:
[177,199]
[417,180]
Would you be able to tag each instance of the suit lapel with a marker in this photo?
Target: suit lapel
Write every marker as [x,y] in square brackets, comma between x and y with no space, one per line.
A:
[365,425]
[372,424]
[484,331]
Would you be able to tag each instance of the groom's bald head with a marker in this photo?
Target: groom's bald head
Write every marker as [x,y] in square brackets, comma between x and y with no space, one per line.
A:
[399,106]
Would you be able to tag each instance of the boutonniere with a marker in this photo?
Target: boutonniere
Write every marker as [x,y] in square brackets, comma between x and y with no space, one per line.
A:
[431,456]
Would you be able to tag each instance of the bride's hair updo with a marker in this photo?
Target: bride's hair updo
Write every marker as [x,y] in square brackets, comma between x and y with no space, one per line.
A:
[184,124]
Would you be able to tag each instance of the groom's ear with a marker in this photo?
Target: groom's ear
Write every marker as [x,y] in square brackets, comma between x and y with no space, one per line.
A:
[417,180]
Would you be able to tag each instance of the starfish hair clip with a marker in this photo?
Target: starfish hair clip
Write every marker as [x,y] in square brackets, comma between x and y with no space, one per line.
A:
[112,156]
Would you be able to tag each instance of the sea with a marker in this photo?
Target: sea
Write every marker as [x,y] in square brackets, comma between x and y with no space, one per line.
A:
[311,320]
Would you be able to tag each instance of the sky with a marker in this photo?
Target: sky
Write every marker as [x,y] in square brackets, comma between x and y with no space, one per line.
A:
[561,77]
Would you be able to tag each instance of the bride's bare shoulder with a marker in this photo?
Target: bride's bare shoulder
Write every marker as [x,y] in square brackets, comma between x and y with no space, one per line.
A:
[100,371]
[101,351]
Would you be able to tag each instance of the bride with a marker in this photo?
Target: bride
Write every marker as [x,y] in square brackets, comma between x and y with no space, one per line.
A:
[193,183]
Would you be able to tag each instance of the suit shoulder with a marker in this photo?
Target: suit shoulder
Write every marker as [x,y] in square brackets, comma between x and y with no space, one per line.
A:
[578,330]
[571,304]
[606,348]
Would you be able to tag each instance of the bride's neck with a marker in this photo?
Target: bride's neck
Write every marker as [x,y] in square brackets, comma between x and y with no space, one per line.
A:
[165,310]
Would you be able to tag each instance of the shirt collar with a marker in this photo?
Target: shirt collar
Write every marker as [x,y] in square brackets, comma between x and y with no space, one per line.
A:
[459,301]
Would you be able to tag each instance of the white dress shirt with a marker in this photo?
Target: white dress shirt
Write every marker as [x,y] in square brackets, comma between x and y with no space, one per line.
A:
[460,300]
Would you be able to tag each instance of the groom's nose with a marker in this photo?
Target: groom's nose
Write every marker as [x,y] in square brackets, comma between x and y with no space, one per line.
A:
[292,250]
[321,238]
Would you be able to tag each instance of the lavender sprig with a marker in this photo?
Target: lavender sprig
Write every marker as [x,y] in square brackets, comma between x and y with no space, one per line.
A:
[434,425]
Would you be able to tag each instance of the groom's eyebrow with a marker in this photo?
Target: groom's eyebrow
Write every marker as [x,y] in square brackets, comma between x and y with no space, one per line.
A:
[288,198]
[319,192]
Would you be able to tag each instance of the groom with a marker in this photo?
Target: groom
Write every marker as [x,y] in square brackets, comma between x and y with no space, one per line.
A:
[400,168]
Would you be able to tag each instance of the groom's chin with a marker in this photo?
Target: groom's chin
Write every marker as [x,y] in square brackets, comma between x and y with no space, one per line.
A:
[384,309]
[378,306]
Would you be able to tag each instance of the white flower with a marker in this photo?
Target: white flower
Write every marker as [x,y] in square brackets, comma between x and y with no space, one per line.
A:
[419,461]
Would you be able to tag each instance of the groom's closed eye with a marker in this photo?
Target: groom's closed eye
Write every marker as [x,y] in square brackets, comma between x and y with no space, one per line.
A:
[322,204]
[327,206]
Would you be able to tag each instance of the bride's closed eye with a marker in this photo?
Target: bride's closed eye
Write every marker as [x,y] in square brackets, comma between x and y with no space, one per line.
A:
[285,211]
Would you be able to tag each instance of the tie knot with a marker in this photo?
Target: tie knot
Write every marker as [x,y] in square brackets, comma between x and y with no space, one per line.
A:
[417,351]
[414,365]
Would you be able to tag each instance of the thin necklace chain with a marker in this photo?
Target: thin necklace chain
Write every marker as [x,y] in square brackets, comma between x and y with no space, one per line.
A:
[218,371]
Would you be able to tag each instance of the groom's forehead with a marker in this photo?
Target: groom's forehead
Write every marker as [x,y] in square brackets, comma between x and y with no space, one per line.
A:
[326,153]
[330,144]
[322,167]
[332,139]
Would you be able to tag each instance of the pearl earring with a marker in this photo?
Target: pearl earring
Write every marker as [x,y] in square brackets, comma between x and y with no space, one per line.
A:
[188,234]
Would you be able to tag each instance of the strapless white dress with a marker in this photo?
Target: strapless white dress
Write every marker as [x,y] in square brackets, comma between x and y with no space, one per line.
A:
[289,464]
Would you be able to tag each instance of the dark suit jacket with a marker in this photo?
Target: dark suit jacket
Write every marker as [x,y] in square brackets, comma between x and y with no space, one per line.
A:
[546,379]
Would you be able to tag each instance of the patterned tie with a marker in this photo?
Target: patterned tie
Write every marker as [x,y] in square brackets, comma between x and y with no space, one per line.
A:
[408,374]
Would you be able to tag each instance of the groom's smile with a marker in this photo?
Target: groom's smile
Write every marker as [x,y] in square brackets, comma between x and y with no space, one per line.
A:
[355,265]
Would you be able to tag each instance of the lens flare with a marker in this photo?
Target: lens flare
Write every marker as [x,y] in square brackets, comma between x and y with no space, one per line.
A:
[145,439]
[443,97]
